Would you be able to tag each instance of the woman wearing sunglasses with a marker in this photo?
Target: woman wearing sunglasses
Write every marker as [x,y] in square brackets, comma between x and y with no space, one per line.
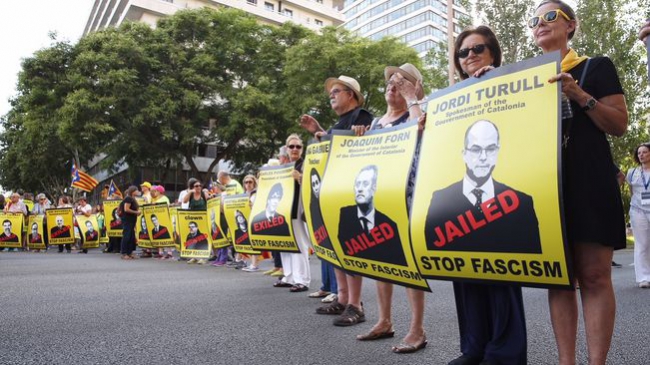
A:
[491,317]
[593,209]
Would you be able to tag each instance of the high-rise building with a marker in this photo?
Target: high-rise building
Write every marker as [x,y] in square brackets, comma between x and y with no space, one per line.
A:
[419,23]
[310,13]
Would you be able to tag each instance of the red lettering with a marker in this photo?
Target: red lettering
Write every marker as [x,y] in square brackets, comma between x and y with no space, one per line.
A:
[452,231]
[376,235]
[463,224]
[472,221]
[320,234]
[441,238]
[508,201]
[387,231]
[490,210]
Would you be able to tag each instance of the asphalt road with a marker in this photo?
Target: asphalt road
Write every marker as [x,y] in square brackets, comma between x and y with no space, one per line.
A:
[98,309]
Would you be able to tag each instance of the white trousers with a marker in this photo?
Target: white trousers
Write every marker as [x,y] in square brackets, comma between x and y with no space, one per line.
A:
[296,265]
[641,228]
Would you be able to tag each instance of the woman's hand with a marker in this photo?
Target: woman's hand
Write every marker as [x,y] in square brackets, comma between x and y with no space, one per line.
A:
[644,31]
[404,87]
[296,175]
[320,134]
[481,71]
[359,130]
[570,87]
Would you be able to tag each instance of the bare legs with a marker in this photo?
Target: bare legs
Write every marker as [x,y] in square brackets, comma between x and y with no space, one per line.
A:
[593,271]
[384,322]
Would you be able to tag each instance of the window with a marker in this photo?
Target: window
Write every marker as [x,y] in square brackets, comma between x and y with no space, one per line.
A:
[288,13]
[252,2]
[318,22]
[269,6]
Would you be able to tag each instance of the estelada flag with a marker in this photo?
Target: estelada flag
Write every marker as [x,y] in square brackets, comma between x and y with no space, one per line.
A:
[82,180]
[113,189]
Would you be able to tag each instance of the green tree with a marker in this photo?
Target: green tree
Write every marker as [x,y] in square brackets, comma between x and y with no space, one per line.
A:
[30,144]
[338,52]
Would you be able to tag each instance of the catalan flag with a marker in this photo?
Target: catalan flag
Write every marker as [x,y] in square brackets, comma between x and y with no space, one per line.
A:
[82,180]
[113,189]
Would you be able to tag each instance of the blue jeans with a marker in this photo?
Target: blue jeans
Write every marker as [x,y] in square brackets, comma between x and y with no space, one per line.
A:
[222,255]
[328,277]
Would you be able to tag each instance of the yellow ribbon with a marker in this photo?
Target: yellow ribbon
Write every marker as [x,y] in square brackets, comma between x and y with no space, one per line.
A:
[571,60]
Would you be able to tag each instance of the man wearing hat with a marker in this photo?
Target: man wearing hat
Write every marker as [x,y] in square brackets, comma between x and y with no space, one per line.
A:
[346,100]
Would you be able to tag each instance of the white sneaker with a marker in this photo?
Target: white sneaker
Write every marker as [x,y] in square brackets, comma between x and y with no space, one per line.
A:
[251,268]
[644,285]
[330,298]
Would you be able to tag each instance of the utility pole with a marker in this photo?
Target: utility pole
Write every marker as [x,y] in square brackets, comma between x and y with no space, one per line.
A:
[450,40]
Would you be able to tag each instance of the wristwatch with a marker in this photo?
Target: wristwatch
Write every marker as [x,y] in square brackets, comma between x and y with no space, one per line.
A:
[591,103]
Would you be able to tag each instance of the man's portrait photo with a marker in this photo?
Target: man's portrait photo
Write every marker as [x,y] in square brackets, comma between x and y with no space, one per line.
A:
[479,213]
[364,231]
[60,231]
[91,234]
[34,236]
[320,232]
[158,232]
[7,235]
[195,239]
[270,222]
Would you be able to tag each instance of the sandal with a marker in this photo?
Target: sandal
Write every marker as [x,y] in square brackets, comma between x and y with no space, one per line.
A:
[298,288]
[333,308]
[351,316]
[403,348]
[371,336]
[282,284]
[319,294]
[127,257]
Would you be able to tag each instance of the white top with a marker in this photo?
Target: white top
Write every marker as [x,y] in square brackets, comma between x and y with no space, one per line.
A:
[469,185]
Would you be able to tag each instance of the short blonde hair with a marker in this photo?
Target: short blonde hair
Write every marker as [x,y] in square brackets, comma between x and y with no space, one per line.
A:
[293,136]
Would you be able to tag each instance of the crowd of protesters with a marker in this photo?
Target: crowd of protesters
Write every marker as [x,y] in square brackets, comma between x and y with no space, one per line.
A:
[491,317]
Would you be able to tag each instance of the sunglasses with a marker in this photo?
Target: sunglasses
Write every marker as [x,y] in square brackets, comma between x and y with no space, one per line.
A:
[548,17]
[197,185]
[294,147]
[248,182]
[477,49]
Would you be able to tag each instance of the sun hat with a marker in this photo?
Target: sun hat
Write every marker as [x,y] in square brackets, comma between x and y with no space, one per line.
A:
[409,72]
[146,184]
[347,81]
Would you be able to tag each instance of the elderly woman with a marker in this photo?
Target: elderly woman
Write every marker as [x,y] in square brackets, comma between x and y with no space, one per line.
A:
[639,180]
[297,274]
[402,93]
[594,226]
[491,318]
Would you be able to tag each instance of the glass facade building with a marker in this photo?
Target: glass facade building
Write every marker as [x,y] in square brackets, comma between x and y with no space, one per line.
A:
[421,24]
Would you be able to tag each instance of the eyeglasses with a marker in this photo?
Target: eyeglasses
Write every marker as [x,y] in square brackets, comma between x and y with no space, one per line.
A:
[294,147]
[336,91]
[548,17]
[477,49]
[197,185]
[477,151]
[248,182]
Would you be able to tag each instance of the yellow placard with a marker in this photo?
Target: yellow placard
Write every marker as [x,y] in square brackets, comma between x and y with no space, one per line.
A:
[270,223]
[142,232]
[12,229]
[313,171]
[90,232]
[237,210]
[218,238]
[173,215]
[112,220]
[35,232]
[159,225]
[193,228]
[60,226]
[486,202]
[364,203]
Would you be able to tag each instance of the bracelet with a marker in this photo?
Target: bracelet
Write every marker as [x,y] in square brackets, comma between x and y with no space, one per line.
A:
[411,103]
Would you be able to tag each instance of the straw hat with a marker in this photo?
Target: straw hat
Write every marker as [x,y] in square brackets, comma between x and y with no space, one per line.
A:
[349,82]
[409,72]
